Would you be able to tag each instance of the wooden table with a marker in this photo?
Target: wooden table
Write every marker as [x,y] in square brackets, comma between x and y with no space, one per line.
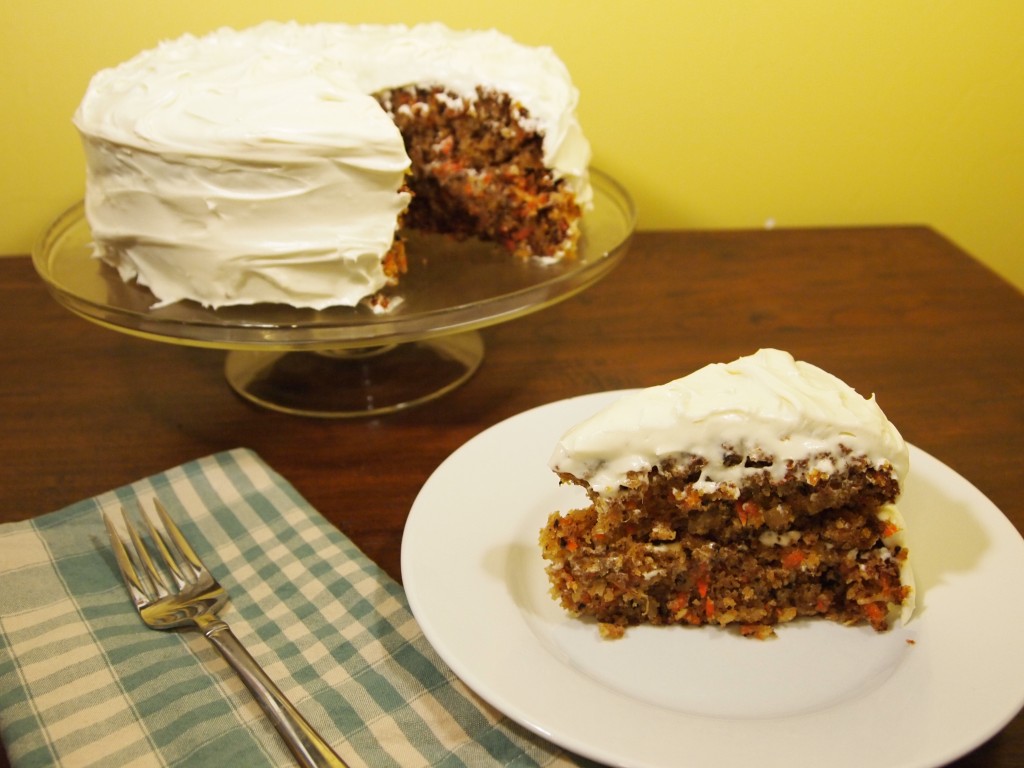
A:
[901,312]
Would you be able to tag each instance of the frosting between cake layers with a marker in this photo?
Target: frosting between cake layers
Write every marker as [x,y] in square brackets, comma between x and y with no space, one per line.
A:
[766,404]
[255,165]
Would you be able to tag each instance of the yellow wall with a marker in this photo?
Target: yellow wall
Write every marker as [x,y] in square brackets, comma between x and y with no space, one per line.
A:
[714,113]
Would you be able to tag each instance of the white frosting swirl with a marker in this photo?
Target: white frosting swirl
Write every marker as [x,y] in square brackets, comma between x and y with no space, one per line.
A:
[249,166]
[765,403]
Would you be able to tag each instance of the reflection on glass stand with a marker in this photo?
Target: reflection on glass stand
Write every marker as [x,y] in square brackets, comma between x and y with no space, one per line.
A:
[345,361]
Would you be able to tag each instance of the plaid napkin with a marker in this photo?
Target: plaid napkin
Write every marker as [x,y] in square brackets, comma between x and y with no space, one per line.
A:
[84,682]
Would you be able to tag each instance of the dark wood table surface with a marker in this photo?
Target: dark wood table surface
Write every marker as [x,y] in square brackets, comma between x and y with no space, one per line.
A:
[898,311]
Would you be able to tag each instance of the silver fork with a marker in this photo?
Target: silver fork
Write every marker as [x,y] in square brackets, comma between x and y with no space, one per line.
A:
[193,601]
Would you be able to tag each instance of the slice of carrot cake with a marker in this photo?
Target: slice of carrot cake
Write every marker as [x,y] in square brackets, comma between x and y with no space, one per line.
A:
[748,493]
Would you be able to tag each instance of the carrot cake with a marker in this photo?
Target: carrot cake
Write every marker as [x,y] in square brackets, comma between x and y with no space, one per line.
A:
[279,163]
[747,494]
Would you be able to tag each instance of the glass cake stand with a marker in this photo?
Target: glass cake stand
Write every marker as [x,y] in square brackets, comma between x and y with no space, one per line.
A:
[346,361]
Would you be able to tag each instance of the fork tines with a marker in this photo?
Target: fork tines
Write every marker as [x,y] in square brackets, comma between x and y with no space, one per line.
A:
[146,582]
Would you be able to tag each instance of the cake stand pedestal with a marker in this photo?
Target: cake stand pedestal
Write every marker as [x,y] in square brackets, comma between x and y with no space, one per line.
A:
[349,361]
[356,382]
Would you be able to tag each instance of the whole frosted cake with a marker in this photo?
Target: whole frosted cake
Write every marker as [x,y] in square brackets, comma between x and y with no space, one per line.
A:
[277,163]
[749,493]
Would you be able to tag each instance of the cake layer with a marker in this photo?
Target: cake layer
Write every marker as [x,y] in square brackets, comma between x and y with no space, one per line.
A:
[679,557]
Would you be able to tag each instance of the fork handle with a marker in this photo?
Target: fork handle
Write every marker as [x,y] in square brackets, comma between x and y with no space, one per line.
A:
[305,743]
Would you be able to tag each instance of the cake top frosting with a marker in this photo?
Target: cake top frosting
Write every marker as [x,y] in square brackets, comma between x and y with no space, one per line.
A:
[766,404]
[268,88]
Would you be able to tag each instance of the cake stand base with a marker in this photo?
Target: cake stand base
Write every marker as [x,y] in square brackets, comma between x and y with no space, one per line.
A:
[355,382]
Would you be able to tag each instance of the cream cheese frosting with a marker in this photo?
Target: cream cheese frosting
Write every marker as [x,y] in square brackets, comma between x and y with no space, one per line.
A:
[255,165]
[897,537]
[765,404]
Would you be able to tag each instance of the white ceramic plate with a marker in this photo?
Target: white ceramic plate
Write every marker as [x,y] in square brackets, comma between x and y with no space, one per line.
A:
[818,694]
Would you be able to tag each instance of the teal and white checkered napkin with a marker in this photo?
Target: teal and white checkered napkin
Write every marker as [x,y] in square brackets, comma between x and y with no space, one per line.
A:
[84,682]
